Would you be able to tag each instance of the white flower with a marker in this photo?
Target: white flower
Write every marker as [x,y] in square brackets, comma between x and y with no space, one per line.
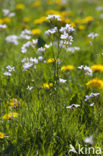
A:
[27,65]
[88,70]
[29,88]
[93,35]
[35,41]
[40,58]
[7,73]
[12,39]
[41,49]
[51,31]
[26,34]
[73,105]
[62,80]
[6,12]
[54,17]
[89,140]
[34,60]
[3,26]
[73,49]
[68,29]
[48,45]
[10,69]
[87,97]
[92,104]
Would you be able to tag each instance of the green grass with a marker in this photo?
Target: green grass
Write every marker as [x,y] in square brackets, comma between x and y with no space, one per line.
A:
[44,126]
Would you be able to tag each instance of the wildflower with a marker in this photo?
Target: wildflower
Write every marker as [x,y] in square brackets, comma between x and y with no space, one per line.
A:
[40,20]
[6,20]
[36,3]
[54,17]
[97,68]
[62,80]
[89,140]
[48,45]
[87,70]
[46,85]
[51,60]
[40,58]
[7,12]
[36,31]
[87,19]
[29,88]
[25,34]
[1,21]
[67,68]
[27,65]
[13,102]
[87,97]
[73,49]
[10,115]
[81,27]
[93,35]
[3,26]
[12,39]
[92,104]
[41,49]
[96,83]
[51,31]
[20,6]
[72,106]
[1,135]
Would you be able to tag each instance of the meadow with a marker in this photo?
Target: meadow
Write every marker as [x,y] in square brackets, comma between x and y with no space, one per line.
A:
[51,77]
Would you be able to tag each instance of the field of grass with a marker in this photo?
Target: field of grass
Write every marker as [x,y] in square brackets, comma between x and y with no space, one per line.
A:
[51,77]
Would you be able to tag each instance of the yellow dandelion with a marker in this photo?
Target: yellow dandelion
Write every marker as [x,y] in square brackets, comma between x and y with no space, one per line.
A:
[87,19]
[1,21]
[13,102]
[67,68]
[40,20]
[36,31]
[46,85]
[81,27]
[37,3]
[51,60]
[98,67]
[6,20]
[52,12]
[10,115]
[1,135]
[95,83]
[20,6]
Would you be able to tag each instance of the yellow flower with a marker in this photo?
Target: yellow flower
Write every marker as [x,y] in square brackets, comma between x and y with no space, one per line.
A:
[52,12]
[26,19]
[66,68]
[81,27]
[10,115]
[37,3]
[46,85]
[87,19]
[96,83]
[98,67]
[20,6]
[36,31]
[40,20]
[6,20]
[51,60]
[1,135]
[13,102]
[1,21]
